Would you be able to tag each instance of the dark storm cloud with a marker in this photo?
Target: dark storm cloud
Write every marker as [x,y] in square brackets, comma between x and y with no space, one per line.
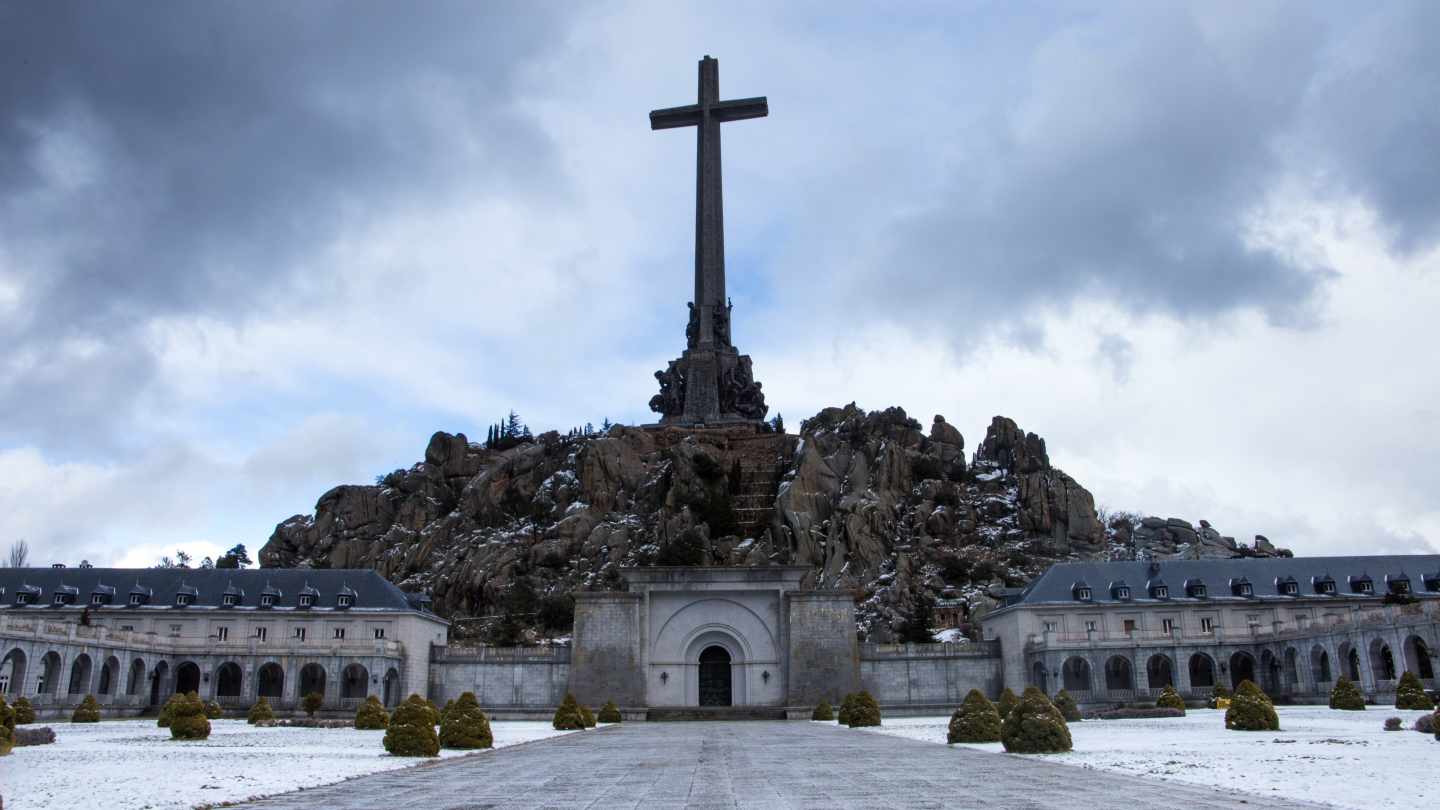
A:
[176,157]
[1130,166]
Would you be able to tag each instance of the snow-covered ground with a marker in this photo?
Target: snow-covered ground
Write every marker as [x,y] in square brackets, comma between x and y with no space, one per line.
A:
[134,764]
[1331,757]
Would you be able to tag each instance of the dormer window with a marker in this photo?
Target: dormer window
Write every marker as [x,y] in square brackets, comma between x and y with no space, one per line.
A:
[1287,586]
[1241,587]
[306,600]
[136,599]
[24,598]
[1158,589]
[1119,590]
[184,600]
[344,600]
[1195,589]
[1399,584]
[1362,584]
[229,600]
[59,599]
[1325,585]
[1081,592]
[266,600]
[97,598]
[1432,582]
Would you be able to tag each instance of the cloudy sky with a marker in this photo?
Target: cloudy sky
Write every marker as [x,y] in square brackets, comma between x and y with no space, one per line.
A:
[252,250]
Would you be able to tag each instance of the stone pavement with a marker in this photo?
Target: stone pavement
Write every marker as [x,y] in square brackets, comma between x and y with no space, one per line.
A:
[752,765]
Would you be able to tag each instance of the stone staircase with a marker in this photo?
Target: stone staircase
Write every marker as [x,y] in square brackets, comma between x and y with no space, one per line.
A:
[763,461]
[689,713]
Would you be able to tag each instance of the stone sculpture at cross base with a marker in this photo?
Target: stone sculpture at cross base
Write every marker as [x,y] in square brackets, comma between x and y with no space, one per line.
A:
[711,382]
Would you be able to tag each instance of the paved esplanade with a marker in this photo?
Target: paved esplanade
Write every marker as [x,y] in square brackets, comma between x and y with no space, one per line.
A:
[752,765]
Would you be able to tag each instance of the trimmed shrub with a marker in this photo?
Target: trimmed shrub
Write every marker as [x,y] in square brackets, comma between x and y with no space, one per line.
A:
[1410,694]
[586,716]
[188,720]
[1218,693]
[866,711]
[1346,696]
[411,734]
[465,725]
[434,711]
[213,710]
[1137,713]
[1425,724]
[167,712]
[976,721]
[87,712]
[1067,706]
[7,727]
[1035,726]
[261,711]
[24,712]
[1008,701]
[311,703]
[431,713]
[371,715]
[1170,699]
[609,713]
[446,709]
[823,711]
[847,708]
[1251,710]
[40,735]
[1394,724]
[567,716]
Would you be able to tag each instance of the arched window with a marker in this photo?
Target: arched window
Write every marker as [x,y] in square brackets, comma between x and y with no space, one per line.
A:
[80,675]
[228,678]
[137,677]
[1382,661]
[12,670]
[1037,676]
[1159,672]
[1075,674]
[354,682]
[1202,671]
[270,681]
[1320,664]
[392,686]
[1417,658]
[1119,676]
[108,675]
[187,677]
[312,679]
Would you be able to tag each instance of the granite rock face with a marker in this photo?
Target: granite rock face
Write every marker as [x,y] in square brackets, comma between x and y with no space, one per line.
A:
[871,501]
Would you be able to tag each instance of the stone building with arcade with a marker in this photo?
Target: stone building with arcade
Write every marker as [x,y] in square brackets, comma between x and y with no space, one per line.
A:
[132,637]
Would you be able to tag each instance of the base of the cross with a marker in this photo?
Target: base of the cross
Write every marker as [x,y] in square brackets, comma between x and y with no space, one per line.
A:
[709,385]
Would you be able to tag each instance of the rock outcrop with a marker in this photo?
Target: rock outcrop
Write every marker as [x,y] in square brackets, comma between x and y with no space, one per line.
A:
[869,500]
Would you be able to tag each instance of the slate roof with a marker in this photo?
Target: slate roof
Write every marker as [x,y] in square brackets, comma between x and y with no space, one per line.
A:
[1264,574]
[371,591]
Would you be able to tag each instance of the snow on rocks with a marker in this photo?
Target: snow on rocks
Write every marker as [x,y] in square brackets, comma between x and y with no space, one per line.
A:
[1341,759]
[132,763]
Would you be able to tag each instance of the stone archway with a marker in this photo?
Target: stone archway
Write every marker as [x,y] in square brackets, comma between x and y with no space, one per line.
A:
[80,675]
[715,681]
[1159,672]
[228,680]
[137,677]
[1242,668]
[1202,671]
[157,680]
[1417,658]
[354,682]
[187,678]
[1075,674]
[270,681]
[12,671]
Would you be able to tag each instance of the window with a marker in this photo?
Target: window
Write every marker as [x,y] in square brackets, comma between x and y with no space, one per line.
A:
[174,631]
[306,600]
[22,598]
[59,598]
[1049,627]
[97,598]
[222,633]
[380,632]
[345,600]
[1400,586]
[299,634]
[266,600]
[1207,624]
[1083,594]
[1167,626]
[229,600]
[260,633]
[1365,586]
[1290,588]
[1161,592]
[183,599]
[1252,619]
[129,628]
[1245,589]
[1326,586]
[136,599]
[1090,626]
[1129,625]
[339,633]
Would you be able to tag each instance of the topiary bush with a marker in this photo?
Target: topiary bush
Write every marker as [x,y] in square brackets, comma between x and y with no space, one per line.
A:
[847,707]
[609,713]
[586,716]
[1251,710]
[371,715]
[260,712]
[87,712]
[7,727]
[188,720]
[1007,701]
[1410,694]
[866,711]
[434,712]
[1346,696]
[1170,699]
[1425,723]
[1067,706]
[823,711]
[1217,694]
[410,733]
[431,713]
[1394,724]
[213,711]
[465,725]
[976,721]
[1035,726]
[24,712]
[311,703]
[167,711]
[567,716]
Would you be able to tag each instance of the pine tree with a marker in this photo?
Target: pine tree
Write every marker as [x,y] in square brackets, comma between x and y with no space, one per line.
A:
[866,711]
[1035,726]
[916,629]
[823,712]
[609,713]
[567,716]
[464,725]
[24,712]
[976,721]
[847,707]
[587,717]
[514,428]
[1251,710]
[312,702]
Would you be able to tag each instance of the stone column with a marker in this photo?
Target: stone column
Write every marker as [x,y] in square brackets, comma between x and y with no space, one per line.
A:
[823,653]
[605,655]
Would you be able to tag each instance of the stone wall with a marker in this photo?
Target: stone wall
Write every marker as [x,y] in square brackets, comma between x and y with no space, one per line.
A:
[606,664]
[501,677]
[929,674]
[823,656]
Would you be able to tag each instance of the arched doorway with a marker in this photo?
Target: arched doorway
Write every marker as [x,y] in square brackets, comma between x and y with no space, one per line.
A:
[1242,668]
[1269,673]
[1037,676]
[715,676]
[12,672]
[1292,668]
[228,680]
[312,679]
[108,675]
[1382,661]
[1320,664]
[1075,674]
[137,677]
[187,678]
[1119,677]
[80,675]
[1417,658]
[271,680]
[157,680]
[392,686]
[354,682]
[1159,672]
[1202,671]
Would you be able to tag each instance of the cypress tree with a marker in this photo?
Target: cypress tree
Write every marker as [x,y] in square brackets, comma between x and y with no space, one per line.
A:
[976,721]
[371,715]
[1410,694]
[609,713]
[411,732]
[823,711]
[587,717]
[1007,701]
[1067,707]
[24,712]
[188,720]
[567,716]
[1251,710]
[465,725]
[312,702]
[1170,699]
[1035,726]
[260,712]
[1345,695]
[847,707]
[87,712]
[866,711]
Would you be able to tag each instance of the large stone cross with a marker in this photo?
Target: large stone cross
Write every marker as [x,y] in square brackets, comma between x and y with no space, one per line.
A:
[706,115]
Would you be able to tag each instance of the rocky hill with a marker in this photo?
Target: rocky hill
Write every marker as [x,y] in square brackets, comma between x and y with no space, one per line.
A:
[875,504]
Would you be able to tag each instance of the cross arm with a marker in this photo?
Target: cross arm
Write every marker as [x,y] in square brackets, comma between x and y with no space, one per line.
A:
[741,108]
[671,117]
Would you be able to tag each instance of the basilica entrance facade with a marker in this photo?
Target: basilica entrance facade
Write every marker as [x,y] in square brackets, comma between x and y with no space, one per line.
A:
[715,676]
